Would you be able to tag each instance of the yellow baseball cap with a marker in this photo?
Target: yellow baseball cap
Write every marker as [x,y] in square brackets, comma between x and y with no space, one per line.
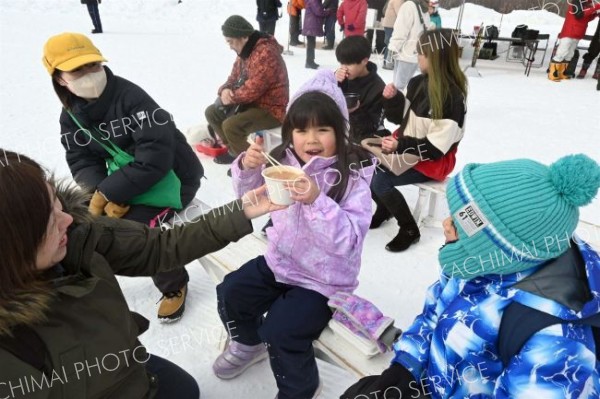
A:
[69,51]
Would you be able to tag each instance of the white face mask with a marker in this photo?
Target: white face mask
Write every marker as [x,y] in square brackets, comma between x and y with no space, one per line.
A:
[90,85]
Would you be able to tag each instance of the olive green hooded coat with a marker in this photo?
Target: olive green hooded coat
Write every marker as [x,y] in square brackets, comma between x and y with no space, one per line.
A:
[88,339]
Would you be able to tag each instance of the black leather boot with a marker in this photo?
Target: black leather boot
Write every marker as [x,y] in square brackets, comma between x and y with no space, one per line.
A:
[381,213]
[409,231]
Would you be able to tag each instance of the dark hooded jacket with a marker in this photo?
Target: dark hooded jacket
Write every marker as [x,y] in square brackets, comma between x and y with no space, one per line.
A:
[267,10]
[127,116]
[87,338]
[365,121]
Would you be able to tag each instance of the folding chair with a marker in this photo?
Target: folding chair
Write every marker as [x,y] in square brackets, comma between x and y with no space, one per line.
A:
[531,50]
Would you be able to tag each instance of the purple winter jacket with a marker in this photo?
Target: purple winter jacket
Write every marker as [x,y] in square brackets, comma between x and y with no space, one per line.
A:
[314,15]
[317,246]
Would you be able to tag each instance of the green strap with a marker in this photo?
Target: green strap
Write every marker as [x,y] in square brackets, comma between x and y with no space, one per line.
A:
[112,151]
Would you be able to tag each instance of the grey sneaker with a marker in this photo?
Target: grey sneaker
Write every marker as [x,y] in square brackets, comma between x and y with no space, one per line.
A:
[236,358]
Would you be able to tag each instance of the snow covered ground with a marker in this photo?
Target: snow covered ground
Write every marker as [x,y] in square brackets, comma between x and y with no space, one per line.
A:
[178,55]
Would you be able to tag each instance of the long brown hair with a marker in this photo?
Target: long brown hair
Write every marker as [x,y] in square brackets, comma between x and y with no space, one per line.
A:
[64,95]
[444,73]
[24,214]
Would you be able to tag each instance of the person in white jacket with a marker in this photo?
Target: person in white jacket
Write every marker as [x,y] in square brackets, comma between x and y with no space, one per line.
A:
[411,21]
[390,13]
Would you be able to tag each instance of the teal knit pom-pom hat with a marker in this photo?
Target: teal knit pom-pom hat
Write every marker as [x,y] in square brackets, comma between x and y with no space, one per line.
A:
[514,215]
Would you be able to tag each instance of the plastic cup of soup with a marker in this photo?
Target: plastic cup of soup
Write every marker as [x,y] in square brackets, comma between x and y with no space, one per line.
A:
[275,178]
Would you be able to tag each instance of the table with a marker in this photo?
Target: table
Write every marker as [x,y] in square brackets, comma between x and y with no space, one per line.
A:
[531,44]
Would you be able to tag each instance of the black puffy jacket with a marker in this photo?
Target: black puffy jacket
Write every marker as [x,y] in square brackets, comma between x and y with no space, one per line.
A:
[128,117]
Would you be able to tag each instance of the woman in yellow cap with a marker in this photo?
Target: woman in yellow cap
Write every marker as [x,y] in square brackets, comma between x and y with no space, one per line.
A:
[106,119]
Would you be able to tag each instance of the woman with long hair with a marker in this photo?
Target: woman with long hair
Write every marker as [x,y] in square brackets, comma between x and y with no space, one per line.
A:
[65,328]
[432,118]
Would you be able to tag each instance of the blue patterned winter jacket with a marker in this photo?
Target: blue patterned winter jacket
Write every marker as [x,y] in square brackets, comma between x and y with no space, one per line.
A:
[451,348]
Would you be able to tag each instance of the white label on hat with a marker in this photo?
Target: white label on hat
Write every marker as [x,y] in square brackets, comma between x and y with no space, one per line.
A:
[471,219]
[141,115]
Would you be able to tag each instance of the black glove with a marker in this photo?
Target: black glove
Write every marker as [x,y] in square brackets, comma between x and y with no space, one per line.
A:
[351,28]
[341,27]
[394,383]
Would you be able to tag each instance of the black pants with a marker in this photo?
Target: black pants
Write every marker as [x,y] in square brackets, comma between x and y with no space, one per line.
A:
[166,281]
[92,7]
[267,27]
[330,29]
[295,27]
[295,318]
[594,48]
[311,43]
[172,380]
[384,182]
[379,39]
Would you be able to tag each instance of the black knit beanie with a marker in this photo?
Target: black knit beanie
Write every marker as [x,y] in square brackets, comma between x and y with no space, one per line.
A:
[237,26]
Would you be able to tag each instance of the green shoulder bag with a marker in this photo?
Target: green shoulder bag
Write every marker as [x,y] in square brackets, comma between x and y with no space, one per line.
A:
[166,193]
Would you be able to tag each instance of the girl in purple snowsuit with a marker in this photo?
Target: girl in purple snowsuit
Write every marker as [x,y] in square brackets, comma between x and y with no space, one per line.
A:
[314,247]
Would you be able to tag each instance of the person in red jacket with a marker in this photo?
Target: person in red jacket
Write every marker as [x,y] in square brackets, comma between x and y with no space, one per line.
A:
[352,17]
[579,14]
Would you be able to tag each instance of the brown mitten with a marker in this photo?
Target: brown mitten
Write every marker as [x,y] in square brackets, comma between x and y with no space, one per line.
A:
[97,204]
[115,210]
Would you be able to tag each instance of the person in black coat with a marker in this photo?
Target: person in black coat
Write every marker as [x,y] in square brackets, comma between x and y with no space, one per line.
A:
[330,20]
[101,110]
[267,14]
[358,75]
[591,55]
[379,33]
[92,6]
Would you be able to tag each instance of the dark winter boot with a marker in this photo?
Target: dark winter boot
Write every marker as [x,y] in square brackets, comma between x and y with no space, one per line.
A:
[225,159]
[571,66]
[409,231]
[310,53]
[381,213]
[583,71]
[597,71]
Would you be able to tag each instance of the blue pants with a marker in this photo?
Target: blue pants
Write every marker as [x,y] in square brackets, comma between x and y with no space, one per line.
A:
[384,181]
[403,73]
[295,318]
[388,35]
[330,29]
[172,380]
[92,7]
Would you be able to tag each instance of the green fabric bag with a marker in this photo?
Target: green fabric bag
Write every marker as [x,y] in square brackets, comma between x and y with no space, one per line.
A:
[166,193]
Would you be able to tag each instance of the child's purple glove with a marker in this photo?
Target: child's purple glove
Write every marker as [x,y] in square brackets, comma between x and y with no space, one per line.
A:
[363,318]
[351,28]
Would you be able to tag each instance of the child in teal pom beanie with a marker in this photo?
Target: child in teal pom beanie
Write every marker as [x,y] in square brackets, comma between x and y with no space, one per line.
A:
[509,241]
